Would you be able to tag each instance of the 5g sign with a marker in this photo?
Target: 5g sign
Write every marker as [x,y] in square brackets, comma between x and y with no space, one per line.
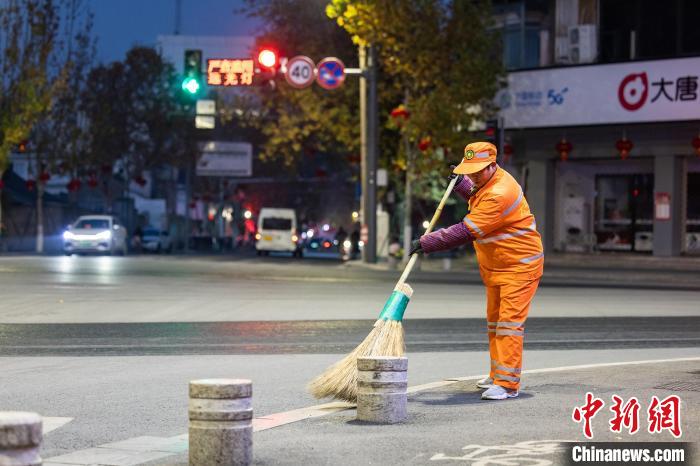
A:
[300,72]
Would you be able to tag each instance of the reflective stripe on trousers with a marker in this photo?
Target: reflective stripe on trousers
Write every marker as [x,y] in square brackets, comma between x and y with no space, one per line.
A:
[507,307]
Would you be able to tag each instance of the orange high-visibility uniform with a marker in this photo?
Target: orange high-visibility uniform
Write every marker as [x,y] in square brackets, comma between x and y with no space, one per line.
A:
[509,250]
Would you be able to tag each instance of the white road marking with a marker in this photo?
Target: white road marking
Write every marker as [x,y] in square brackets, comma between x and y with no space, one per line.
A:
[140,450]
[52,423]
[518,453]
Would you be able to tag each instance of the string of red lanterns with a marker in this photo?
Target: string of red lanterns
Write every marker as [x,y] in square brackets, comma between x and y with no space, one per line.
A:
[564,148]
[624,146]
[696,144]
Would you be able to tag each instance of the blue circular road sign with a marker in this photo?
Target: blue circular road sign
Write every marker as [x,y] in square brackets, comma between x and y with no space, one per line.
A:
[330,73]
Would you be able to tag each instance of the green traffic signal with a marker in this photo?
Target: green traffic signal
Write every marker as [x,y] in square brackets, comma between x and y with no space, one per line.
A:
[191,85]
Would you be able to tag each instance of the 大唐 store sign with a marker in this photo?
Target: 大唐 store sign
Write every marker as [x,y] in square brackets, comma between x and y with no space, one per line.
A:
[665,90]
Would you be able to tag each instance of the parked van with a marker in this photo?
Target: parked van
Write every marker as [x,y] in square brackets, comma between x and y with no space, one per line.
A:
[277,231]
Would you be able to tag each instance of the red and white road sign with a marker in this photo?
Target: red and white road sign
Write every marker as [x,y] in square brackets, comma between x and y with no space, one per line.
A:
[330,73]
[300,72]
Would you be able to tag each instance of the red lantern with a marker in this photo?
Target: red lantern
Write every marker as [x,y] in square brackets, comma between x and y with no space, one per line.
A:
[44,177]
[400,114]
[424,143]
[507,152]
[31,184]
[564,148]
[696,145]
[92,181]
[624,146]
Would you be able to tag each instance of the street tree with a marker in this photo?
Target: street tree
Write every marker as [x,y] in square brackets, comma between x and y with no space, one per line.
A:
[58,138]
[137,120]
[28,37]
[295,122]
[439,60]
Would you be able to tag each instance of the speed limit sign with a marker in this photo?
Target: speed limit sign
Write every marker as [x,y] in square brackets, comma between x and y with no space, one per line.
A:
[300,72]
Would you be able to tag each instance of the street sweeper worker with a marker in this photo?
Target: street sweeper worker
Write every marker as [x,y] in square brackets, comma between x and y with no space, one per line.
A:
[509,251]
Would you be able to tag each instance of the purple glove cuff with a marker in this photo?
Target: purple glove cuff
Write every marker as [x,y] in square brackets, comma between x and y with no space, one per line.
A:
[464,187]
[446,238]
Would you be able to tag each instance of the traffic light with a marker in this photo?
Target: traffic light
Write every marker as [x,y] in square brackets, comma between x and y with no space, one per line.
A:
[267,65]
[192,79]
[268,59]
[491,131]
[495,134]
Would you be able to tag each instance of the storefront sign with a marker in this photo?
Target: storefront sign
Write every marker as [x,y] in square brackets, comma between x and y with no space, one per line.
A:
[663,90]
[662,206]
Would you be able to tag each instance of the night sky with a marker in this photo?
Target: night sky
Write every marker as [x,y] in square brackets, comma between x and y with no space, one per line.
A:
[120,24]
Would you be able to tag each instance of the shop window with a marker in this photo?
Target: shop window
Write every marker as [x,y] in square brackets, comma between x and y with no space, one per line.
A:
[624,212]
[692,224]
[520,23]
[648,29]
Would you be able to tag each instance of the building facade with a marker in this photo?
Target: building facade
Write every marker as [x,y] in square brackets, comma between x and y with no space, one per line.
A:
[602,121]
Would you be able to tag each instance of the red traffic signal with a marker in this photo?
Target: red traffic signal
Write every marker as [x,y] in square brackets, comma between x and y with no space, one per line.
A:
[267,58]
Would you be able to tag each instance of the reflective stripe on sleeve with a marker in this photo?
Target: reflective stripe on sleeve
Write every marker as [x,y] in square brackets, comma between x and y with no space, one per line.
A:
[527,260]
[506,377]
[476,229]
[514,205]
[508,235]
[515,333]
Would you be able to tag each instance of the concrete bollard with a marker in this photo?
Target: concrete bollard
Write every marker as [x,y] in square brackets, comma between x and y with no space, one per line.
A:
[381,389]
[221,422]
[20,438]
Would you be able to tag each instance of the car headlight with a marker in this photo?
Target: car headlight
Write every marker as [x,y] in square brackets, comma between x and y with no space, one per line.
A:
[104,235]
[68,235]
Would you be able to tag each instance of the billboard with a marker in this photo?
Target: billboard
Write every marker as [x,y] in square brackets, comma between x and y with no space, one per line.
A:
[223,158]
[638,92]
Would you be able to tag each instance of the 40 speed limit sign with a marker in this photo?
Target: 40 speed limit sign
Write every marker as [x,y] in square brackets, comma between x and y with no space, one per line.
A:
[300,72]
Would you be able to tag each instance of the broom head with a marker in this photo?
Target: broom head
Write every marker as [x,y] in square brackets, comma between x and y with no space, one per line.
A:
[386,339]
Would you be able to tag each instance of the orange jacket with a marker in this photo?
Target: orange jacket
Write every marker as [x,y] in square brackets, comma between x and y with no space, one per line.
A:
[508,246]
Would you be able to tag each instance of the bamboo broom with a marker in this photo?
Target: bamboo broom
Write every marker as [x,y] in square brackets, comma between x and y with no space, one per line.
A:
[385,339]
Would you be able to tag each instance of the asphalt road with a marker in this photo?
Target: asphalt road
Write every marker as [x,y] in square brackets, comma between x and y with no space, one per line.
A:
[110,344]
[177,289]
[336,336]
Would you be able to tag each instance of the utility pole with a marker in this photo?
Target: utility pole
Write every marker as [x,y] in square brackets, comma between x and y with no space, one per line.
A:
[369,136]
[178,16]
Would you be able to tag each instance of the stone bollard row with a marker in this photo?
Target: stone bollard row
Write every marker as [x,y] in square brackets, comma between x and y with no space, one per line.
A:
[381,389]
[20,438]
[221,422]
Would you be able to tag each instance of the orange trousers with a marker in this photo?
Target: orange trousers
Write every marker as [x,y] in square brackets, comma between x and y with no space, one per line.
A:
[507,306]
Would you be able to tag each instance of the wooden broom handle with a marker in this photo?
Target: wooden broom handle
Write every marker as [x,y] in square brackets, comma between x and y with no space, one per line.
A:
[436,216]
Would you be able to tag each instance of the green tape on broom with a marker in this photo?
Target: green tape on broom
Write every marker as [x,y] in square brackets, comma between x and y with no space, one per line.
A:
[395,306]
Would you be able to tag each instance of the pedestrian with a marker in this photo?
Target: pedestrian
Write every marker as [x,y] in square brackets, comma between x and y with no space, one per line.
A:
[355,243]
[509,251]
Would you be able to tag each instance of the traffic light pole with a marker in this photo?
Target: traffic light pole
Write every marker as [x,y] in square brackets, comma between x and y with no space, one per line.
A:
[369,122]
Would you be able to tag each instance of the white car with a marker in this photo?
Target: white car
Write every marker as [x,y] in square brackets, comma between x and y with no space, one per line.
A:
[156,240]
[95,233]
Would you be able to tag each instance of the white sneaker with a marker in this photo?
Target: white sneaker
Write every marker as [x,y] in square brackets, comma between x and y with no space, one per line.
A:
[496,392]
[486,382]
